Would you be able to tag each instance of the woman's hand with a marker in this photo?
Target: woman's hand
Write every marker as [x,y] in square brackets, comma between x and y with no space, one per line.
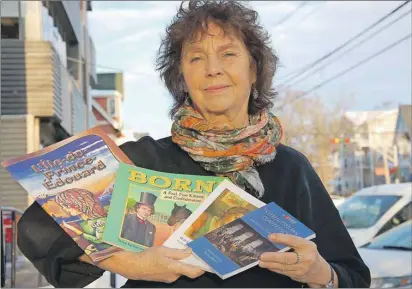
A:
[304,265]
[154,264]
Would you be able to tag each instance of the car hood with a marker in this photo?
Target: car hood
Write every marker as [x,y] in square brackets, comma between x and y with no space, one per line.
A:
[387,263]
[361,236]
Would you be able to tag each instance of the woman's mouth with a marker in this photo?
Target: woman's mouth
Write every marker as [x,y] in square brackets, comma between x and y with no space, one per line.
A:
[216,88]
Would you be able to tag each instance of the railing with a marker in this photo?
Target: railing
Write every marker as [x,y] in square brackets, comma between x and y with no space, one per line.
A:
[79,110]
[16,271]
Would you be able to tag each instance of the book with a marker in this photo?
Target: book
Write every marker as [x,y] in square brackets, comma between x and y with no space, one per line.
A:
[72,181]
[225,204]
[148,206]
[237,246]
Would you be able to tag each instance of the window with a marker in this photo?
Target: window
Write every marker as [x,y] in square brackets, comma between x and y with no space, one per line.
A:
[401,237]
[364,211]
[405,214]
[9,28]
[111,106]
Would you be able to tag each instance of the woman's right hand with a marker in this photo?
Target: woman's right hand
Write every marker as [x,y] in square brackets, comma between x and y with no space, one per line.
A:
[159,264]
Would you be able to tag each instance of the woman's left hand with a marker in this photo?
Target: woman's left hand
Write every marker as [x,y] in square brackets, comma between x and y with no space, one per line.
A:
[304,265]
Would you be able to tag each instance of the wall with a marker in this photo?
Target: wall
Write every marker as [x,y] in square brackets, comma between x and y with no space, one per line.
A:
[9,8]
[33,20]
[23,135]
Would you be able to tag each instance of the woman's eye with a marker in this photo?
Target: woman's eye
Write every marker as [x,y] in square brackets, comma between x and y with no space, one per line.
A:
[194,59]
[229,54]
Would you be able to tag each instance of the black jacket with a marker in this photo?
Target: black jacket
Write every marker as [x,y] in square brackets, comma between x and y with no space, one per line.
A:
[289,180]
[141,233]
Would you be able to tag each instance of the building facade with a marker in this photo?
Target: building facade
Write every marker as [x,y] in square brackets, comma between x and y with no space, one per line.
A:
[107,103]
[403,142]
[47,70]
[367,155]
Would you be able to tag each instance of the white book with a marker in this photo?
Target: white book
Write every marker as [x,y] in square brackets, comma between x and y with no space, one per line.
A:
[225,204]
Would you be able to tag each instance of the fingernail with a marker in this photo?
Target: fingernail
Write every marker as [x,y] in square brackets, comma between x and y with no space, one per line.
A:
[188,250]
[272,237]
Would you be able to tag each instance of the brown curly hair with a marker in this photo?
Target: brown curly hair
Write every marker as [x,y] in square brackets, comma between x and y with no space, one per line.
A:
[82,200]
[233,17]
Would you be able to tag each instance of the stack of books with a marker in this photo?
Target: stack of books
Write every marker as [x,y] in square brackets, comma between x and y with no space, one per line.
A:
[106,204]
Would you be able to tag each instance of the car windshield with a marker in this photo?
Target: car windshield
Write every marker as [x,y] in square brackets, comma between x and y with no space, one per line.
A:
[399,237]
[360,212]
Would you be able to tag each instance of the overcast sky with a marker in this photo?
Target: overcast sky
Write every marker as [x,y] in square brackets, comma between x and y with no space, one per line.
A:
[127,36]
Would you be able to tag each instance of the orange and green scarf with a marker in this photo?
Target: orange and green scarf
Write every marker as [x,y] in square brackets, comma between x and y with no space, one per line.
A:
[227,151]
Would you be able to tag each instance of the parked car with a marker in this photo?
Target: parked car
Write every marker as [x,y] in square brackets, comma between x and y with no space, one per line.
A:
[337,200]
[389,258]
[374,210]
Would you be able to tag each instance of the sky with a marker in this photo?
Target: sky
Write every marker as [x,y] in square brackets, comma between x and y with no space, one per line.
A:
[127,35]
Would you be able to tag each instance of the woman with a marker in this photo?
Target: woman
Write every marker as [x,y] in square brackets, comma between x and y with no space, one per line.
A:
[218,66]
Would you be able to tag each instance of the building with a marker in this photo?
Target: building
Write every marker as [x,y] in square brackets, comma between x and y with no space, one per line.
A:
[402,140]
[47,69]
[107,103]
[108,100]
[365,155]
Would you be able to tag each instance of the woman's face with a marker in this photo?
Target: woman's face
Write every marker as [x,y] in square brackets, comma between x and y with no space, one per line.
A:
[218,74]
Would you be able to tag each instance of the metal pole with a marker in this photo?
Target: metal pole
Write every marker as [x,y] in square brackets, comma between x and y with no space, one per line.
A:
[3,253]
[86,74]
[385,165]
[371,159]
[342,165]
[13,250]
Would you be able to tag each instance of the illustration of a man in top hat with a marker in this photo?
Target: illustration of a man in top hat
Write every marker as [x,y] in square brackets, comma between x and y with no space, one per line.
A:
[136,227]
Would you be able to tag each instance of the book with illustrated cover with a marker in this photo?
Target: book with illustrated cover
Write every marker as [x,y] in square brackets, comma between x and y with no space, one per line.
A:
[227,203]
[237,246]
[148,206]
[73,182]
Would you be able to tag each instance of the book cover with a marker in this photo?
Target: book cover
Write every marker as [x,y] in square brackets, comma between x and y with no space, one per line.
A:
[148,206]
[227,203]
[73,182]
[237,246]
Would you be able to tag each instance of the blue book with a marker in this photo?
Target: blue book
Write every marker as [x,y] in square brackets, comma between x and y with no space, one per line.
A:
[237,246]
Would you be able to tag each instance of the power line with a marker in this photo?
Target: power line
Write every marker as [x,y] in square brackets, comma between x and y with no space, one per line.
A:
[352,48]
[305,17]
[287,17]
[311,12]
[354,66]
[306,67]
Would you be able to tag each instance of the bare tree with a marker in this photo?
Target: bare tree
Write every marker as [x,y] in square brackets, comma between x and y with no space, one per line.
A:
[309,126]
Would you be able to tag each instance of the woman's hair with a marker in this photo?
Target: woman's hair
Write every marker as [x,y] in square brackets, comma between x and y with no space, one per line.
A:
[233,17]
[81,200]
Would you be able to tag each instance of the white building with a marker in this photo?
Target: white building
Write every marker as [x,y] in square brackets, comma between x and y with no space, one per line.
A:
[369,152]
[403,142]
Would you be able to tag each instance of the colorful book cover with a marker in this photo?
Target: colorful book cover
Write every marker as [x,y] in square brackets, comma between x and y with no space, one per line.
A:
[148,206]
[227,203]
[237,246]
[73,182]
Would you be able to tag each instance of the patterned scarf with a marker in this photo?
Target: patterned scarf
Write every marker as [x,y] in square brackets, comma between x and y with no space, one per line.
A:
[227,151]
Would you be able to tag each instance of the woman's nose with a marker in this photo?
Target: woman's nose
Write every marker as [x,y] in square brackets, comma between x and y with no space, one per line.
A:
[213,67]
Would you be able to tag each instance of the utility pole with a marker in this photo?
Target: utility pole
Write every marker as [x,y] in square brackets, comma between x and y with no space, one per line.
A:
[386,166]
[86,63]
